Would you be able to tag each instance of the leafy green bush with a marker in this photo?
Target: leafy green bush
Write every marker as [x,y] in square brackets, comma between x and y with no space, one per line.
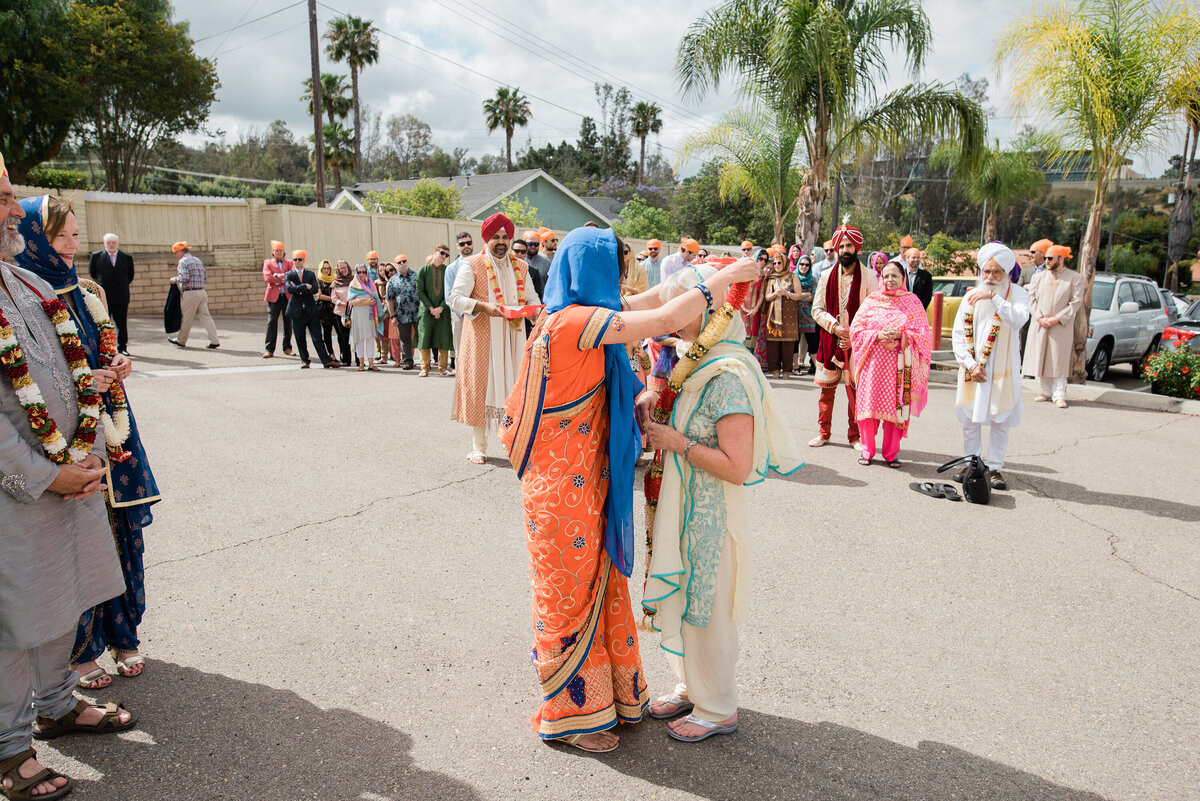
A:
[1126,260]
[47,178]
[427,198]
[944,255]
[640,220]
[523,213]
[1174,372]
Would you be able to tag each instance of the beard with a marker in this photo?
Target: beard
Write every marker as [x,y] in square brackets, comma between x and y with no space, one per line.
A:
[847,259]
[11,242]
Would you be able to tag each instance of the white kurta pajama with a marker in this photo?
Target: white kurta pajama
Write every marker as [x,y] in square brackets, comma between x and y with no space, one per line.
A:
[506,343]
[997,401]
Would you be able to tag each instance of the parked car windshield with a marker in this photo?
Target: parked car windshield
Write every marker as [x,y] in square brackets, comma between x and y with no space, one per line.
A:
[1193,312]
[953,288]
[1102,293]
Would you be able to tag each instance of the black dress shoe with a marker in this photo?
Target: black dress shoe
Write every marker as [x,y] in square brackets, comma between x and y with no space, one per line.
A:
[214,345]
[997,480]
[304,366]
[175,341]
[332,364]
[123,352]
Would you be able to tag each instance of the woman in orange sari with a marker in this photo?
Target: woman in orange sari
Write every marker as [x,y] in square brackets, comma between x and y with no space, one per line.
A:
[570,430]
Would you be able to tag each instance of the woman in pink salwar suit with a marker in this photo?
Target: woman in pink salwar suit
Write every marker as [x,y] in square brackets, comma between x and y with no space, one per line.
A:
[891,343]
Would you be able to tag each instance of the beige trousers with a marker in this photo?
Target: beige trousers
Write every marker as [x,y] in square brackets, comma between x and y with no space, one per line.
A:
[193,305]
[708,673]
[479,440]
[426,356]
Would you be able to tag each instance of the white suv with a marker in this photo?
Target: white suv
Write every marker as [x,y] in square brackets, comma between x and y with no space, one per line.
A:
[1126,323]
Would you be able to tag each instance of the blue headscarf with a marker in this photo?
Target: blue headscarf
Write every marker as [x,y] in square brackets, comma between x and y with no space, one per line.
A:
[133,479]
[586,272]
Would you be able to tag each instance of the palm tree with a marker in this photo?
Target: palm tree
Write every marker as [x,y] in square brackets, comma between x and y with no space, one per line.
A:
[355,41]
[1107,75]
[817,62]
[339,150]
[645,119]
[335,96]
[1004,179]
[758,154]
[1179,224]
[509,110]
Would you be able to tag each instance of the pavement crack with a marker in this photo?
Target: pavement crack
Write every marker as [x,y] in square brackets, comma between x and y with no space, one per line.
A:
[1072,444]
[1112,539]
[347,516]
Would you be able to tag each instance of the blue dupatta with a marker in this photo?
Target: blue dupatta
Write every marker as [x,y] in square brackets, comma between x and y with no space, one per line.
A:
[586,272]
[130,482]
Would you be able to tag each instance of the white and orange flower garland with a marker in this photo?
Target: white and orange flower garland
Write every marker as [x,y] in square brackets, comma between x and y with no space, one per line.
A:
[116,425]
[969,333]
[494,283]
[12,359]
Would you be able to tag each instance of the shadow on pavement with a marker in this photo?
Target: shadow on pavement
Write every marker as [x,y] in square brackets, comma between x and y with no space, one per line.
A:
[219,738]
[774,757]
[1065,491]
[816,475]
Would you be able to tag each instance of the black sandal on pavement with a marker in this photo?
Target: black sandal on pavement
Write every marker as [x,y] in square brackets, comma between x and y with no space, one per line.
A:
[927,488]
[864,461]
[949,492]
[22,788]
[49,728]
[894,464]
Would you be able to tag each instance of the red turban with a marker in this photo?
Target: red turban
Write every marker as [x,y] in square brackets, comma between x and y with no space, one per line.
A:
[496,223]
[848,233]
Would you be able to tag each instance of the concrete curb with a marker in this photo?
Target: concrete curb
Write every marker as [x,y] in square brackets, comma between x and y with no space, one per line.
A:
[947,373]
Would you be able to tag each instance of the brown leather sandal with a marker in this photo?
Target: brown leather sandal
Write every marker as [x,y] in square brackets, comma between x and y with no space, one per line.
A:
[49,728]
[22,788]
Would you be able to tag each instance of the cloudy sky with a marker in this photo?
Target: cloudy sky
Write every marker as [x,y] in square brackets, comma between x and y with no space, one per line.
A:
[440,58]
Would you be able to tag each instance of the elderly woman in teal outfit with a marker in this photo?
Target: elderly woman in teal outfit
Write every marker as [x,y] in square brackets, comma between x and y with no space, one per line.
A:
[51,240]
[725,433]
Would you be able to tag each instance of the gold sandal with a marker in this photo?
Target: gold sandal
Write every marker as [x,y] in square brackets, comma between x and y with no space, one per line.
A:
[573,739]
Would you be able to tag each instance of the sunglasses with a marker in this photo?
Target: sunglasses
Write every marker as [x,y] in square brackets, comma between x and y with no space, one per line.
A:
[444,252]
[402,261]
[764,257]
[465,243]
[747,250]
[652,250]
[830,250]
[519,252]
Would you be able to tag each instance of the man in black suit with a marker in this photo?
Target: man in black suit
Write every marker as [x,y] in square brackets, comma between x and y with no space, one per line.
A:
[918,280]
[112,268]
[303,310]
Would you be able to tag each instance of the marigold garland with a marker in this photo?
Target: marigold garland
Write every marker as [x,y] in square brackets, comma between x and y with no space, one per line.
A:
[494,283]
[713,333]
[969,333]
[30,397]
[116,425]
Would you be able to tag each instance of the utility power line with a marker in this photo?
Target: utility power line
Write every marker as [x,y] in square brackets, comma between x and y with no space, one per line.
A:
[244,24]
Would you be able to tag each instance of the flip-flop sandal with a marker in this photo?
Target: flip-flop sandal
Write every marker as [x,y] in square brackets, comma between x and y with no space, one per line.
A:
[573,739]
[895,463]
[96,679]
[22,788]
[712,728]
[49,728]
[682,707]
[131,666]
[927,488]
[864,461]
[949,492]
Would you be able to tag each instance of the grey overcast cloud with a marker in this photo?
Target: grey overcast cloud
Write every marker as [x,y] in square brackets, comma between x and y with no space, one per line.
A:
[439,59]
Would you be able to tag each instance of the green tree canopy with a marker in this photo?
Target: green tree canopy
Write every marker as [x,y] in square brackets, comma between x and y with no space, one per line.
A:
[641,221]
[147,85]
[426,198]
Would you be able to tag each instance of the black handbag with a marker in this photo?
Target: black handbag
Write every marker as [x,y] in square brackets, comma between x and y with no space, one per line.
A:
[977,484]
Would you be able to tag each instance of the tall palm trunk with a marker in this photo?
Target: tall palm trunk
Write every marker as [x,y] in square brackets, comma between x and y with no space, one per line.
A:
[1089,252]
[989,226]
[508,134]
[642,162]
[810,205]
[357,140]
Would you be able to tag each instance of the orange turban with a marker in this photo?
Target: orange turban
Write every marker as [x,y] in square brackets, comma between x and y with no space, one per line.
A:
[372,255]
[1042,245]
[546,234]
[528,235]
[1059,250]
[543,231]
[775,250]
[401,257]
[747,244]
[299,254]
[654,243]
[643,254]
[276,244]
[178,246]
[690,245]
[906,242]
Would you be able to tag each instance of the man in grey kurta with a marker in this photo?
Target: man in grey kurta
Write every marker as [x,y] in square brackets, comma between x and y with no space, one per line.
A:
[56,547]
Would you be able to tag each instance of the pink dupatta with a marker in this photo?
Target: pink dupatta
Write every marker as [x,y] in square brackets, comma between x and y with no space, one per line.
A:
[892,378]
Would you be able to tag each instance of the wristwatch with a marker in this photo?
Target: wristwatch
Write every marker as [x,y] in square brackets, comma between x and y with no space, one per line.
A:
[691,443]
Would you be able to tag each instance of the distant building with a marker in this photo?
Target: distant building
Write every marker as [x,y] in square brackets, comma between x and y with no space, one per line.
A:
[1076,165]
[559,207]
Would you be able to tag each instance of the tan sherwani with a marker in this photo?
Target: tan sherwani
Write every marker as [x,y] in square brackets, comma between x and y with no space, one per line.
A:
[489,357]
[1052,293]
[828,318]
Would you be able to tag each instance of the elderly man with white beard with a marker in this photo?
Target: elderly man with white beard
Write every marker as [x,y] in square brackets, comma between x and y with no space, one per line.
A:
[58,555]
[987,346]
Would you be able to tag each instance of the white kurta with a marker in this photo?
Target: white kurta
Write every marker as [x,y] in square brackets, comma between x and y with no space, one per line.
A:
[506,343]
[1013,314]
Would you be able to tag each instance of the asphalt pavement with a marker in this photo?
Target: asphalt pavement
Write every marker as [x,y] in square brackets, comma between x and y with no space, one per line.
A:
[339,608]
